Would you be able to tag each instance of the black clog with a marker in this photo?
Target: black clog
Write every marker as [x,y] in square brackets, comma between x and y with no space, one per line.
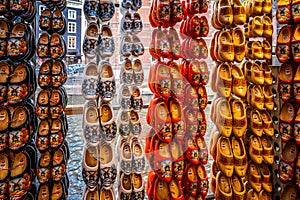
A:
[57,47]
[44,76]
[45,20]
[58,22]
[5,27]
[43,47]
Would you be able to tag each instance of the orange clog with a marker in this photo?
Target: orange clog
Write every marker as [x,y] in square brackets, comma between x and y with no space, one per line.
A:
[239,44]
[283,51]
[255,149]
[268,150]
[224,80]
[225,46]
[283,11]
[238,117]
[239,84]
[225,156]
[240,156]
[296,43]
[223,187]
[224,117]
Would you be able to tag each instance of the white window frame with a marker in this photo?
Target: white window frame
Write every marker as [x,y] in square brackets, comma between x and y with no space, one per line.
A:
[70,30]
[70,16]
[41,9]
[69,38]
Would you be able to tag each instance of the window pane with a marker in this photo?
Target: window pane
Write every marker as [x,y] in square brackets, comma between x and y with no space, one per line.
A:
[71,42]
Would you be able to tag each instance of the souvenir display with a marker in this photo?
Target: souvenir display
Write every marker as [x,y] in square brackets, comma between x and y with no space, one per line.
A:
[50,104]
[242,109]
[99,169]
[287,52]
[214,77]
[131,158]
[18,122]
[175,145]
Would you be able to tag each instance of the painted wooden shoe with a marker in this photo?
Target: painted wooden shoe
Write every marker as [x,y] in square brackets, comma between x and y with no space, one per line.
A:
[240,156]
[176,190]
[225,13]
[160,190]
[224,80]
[238,187]
[295,41]
[255,149]
[191,179]
[203,150]
[178,158]
[163,162]
[252,194]
[255,176]
[225,156]
[286,118]
[283,51]
[256,98]
[287,162]
[239,86]
[268,98]
[223,187]
[283,12]
[239,44]
[265,195]
[267,27]
[213,174]
[224,117]
[268,77]
[266,177]
[268,126]
[90,166]
[285,79]
[225,46]
[239,119]
[202,180]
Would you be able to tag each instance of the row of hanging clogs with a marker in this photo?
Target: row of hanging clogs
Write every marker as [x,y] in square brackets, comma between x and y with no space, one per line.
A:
[51,102]
[131,183]
[18,154]
[99,169]
[286,53]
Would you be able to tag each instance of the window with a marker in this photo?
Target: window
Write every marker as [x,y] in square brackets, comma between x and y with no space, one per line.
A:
[71,27]
[71,42]
[41,9]
[72,14]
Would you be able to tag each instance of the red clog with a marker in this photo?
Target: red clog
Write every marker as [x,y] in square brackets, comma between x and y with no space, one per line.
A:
[194,73]
[191,98]
[202,180]
[204,26]
[204,72]
[283,51]
[202,97]
[193,7]
[152,48]
[163,162]
[190,181]
[163,80]
[192,151]
[154,22]
[164,12]
[176,149]
[162,44]
[174,44]
[177,84]
[176,12]
[178,119]
[163,123]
